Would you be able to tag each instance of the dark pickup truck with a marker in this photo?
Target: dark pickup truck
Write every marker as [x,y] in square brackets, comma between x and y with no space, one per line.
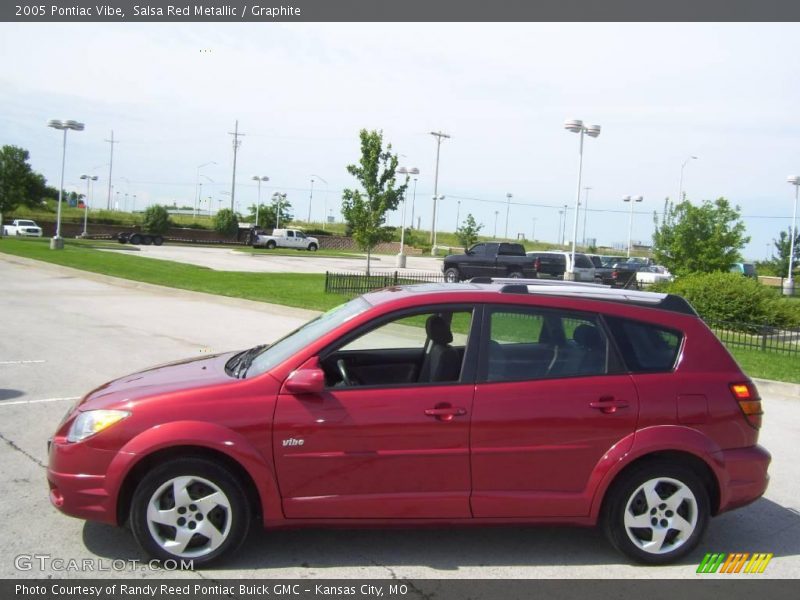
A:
[489,259]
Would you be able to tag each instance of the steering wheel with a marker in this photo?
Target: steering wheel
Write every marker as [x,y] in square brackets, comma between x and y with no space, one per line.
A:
[343,372]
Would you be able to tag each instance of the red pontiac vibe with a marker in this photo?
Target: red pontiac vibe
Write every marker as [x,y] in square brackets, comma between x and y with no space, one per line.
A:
[433,404]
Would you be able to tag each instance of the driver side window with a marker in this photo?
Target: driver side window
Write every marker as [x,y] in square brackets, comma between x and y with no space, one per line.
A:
[423,348]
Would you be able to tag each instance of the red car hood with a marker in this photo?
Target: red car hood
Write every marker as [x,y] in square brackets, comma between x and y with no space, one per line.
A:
[181,375]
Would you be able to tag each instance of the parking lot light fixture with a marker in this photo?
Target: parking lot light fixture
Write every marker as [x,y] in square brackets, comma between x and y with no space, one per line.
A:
[401,257]
[259,179]
[680,183]
[788,286]
[577,126]
[57,242]
[89,179]
[633,200]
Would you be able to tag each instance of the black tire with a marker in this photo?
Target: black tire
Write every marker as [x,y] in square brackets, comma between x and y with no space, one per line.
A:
[135,239]
[312,247]
[232,523]
[452,275]
[515,274]
[147,240]
[122,238]
[271,245]
[158,240]
[680,529]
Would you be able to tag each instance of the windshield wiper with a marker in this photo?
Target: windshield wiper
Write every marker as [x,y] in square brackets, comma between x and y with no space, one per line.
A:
[245,359]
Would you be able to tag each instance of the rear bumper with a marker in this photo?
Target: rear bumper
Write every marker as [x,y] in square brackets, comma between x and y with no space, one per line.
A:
[747,477]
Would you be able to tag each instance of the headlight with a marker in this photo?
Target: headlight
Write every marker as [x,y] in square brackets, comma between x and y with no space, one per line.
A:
[94,421]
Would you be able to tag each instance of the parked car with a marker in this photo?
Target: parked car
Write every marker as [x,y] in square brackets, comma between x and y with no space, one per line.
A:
[610,261]
[489,259]
[286,238]
[601,272]
[23,227]
[653,274]
[554,263]
[447,403]
[746,269]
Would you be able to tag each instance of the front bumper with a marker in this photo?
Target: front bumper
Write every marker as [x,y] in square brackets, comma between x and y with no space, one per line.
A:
[78,482]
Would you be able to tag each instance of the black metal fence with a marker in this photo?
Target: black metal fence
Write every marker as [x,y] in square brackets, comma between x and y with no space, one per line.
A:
[783,340]
[361,283]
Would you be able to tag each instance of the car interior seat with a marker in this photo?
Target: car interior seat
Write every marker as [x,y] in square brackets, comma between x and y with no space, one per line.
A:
[442,362]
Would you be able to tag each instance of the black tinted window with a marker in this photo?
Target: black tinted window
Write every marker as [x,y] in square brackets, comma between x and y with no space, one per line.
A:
[537,344]
[645,347]
[478,250]
[582,261]
[511,250]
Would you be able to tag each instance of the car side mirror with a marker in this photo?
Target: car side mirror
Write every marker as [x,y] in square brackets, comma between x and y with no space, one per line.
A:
[306,380]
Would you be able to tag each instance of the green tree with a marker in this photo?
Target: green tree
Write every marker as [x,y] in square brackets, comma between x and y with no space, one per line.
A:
[267,214]
[226,222]
[467,234]
[699,238]
[156,219]
[365,209]
[783,247]
[19,184]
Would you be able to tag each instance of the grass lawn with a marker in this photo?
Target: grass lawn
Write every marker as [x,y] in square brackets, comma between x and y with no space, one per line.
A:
[290,289]
[768,365]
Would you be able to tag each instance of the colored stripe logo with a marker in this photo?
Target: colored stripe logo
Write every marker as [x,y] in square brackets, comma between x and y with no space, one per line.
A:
[737,562]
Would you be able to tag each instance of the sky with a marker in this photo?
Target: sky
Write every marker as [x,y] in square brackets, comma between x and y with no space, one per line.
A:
[726,93]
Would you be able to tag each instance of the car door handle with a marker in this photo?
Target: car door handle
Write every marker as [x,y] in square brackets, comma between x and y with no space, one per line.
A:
[608,404]
[445,413]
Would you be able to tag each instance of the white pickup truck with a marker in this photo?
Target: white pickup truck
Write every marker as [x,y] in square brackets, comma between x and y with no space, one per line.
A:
[22,227]
[286,238]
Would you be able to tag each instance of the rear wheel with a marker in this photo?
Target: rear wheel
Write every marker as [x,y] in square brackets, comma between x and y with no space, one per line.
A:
[515,274]
[452,275]
[135,239]
[147,240]
[189,509]
[657,512]
[158,240]
[271,245]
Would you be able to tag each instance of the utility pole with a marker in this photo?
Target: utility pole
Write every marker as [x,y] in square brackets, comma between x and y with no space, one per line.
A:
[110,165]
[438,135]
[236,143]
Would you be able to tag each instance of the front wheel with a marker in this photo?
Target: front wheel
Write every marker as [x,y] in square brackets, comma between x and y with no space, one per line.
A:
[452,275]
[312,247]
[657,513]
[190,509]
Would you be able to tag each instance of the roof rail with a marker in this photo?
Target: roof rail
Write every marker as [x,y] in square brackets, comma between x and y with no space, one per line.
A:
[550,282]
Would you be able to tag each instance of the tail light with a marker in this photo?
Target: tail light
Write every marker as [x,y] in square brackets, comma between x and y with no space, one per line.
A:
[749,401]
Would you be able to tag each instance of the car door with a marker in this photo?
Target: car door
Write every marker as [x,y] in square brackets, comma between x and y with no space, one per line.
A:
[551,400]
[394,444]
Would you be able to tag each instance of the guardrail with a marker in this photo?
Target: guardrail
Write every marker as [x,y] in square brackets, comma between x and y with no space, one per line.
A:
[361,283]
[783,340]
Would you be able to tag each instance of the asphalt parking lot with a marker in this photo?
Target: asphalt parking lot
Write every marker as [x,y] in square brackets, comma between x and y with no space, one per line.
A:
[227,259]
[64,332]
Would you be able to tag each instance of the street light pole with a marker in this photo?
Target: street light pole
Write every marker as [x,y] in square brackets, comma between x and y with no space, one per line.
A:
[577,126]
[494,235]
[259,180]
[509,195]
[401,257]
[438,135]
[680,184]
[564,227]
[280,197]
[788,286]
[585,212]
[435,200]
[633,200]
[57,242]
[533,230]
[89,179]
[199,186]
[458,213]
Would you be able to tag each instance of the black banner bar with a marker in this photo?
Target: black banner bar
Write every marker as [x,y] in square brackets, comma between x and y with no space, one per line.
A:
[399,10]
[731,587]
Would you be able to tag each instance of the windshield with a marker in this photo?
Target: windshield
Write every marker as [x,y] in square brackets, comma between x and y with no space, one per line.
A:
[27,223]
[303,336]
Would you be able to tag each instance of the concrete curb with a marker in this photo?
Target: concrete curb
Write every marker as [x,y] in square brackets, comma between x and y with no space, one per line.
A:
[273,309]
[778,388]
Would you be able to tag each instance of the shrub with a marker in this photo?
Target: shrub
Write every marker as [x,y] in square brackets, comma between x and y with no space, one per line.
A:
[226,222]
[731,297]
[156,219]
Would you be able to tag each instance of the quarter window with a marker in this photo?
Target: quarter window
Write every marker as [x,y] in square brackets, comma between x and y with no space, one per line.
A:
[645,348]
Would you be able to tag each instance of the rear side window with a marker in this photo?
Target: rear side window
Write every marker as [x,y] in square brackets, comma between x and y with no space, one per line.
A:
[511,250]
[582,261]
[645,348]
